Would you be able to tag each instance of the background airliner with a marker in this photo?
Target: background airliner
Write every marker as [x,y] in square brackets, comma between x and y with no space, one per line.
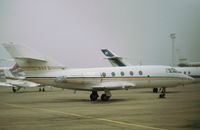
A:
[41,70]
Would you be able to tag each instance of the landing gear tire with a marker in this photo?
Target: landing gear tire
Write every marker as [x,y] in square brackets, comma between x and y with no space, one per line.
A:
[162,95]
[155,90]
[14,90]
[104,97]
[163,91]
[43,90]
[94,96]
[40,89]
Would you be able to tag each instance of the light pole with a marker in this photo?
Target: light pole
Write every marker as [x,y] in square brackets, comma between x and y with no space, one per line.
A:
[173,36]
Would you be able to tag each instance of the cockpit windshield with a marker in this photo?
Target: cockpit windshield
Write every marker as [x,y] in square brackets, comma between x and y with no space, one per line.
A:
[171,70]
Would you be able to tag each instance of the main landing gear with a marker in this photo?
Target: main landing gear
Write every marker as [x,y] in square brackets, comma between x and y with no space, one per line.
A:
[94,95]
[104,97]
[42,89]
[163,93]
[155,90]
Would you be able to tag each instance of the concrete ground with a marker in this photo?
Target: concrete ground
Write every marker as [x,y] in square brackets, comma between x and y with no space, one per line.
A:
[132,109]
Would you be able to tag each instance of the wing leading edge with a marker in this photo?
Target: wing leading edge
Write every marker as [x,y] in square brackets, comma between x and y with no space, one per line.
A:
[114,85]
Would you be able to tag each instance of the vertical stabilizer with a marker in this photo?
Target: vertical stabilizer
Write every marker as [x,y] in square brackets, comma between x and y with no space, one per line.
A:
[113,58]
[30,60]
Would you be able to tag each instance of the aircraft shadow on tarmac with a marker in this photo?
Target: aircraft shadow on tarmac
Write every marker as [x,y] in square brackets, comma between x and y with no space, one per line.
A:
[98,101]
[194,124]
[76,101]
[158,92]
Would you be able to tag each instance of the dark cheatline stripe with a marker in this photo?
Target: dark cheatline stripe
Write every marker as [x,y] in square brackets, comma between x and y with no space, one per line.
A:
[96,78]
[195,76]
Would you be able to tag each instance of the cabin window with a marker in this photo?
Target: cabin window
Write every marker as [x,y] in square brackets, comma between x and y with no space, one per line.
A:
[122,73]
[131,73]
[140,72]
[104,74]
[168,71]
[113,74]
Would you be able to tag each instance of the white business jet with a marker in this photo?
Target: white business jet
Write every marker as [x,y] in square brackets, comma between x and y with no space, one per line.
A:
[47,72]
[115,60]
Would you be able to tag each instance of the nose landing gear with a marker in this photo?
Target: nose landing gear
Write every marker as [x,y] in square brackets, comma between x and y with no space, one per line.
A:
[163,93]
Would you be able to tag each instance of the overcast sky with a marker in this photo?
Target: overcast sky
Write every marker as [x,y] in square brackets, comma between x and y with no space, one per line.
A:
[74,31]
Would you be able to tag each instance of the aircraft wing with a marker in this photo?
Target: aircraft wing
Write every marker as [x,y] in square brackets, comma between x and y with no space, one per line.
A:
[2,84]
[114,85]
[22,83]
[18,81]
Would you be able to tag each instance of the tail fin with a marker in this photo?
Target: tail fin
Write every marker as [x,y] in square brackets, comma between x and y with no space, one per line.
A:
[108,53]
[2,77]
[8,73]
[113,58]
[30,60]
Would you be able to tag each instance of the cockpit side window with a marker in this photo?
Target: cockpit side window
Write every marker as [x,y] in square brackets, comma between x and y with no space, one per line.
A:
[167,71]
[171,70]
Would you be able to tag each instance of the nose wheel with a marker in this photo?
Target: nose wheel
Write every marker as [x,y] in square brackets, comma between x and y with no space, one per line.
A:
[163,93]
